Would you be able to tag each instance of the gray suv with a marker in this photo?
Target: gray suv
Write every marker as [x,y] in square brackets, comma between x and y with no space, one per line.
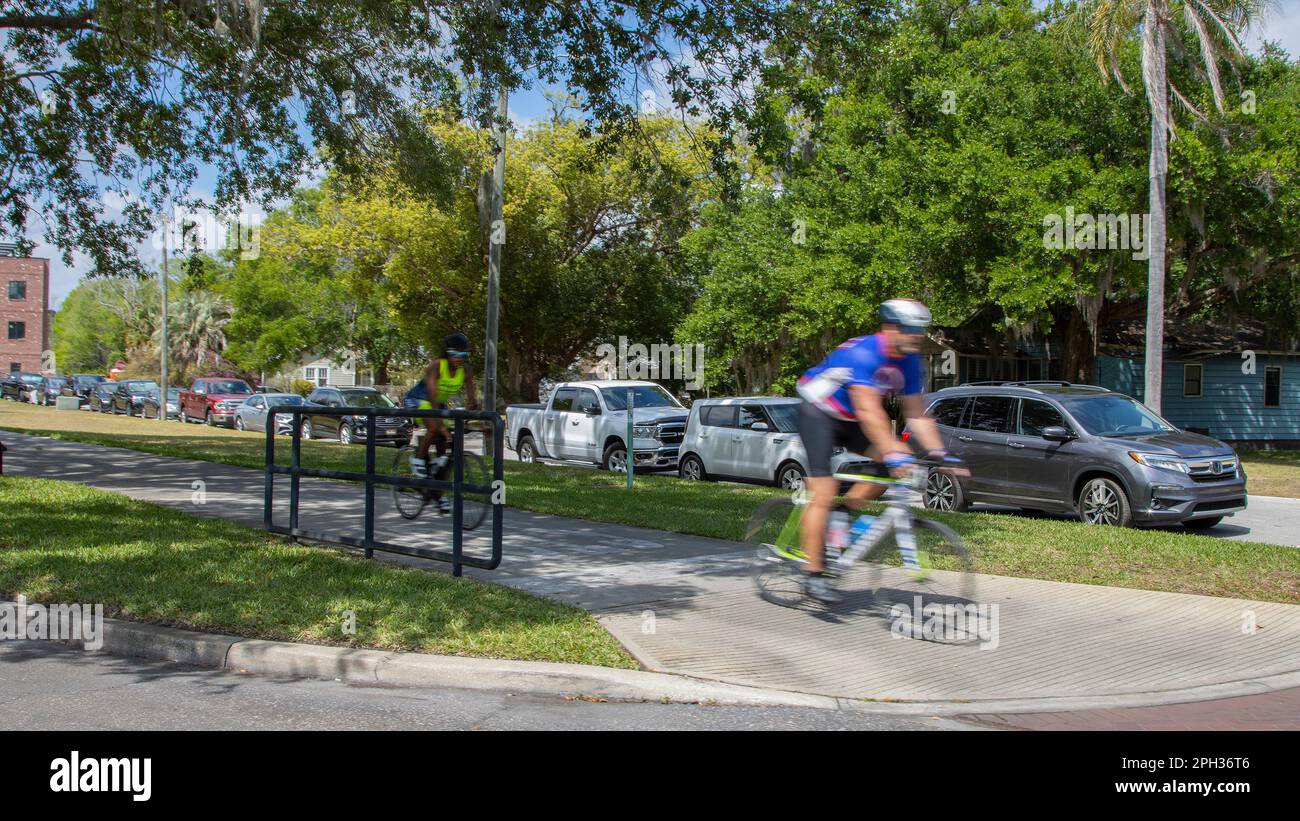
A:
[1053,446]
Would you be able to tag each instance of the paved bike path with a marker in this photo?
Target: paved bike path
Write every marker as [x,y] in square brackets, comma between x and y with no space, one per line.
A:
[686,604]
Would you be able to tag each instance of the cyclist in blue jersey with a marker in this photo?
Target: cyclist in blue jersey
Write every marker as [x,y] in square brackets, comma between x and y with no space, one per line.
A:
[843,406]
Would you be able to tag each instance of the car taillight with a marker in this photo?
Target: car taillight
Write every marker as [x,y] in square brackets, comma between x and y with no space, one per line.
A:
[907,434]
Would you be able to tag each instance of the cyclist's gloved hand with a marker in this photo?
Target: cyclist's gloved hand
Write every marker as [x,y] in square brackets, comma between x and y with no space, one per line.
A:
[943,457]
[898,459]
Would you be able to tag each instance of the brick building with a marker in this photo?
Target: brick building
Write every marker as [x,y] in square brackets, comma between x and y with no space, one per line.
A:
[24,310]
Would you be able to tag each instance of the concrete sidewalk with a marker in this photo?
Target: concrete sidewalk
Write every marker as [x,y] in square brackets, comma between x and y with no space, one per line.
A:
[686,604]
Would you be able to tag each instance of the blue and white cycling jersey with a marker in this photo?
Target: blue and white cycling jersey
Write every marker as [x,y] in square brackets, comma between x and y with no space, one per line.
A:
[860,361]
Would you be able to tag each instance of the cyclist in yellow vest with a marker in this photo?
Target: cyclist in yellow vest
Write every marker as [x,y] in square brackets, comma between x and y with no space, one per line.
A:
[446,376]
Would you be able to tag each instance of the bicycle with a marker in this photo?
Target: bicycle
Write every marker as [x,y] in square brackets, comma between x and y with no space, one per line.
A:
[411,501]
[928,547]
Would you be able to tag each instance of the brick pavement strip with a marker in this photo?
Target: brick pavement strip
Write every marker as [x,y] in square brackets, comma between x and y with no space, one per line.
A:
[1278,710]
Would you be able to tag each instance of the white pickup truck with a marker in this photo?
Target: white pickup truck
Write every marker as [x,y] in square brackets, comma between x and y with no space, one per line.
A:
[587,422]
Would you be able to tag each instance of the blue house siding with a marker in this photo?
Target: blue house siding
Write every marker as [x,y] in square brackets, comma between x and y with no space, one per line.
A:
[1231,405]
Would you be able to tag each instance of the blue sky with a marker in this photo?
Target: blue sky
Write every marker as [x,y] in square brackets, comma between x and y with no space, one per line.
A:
[1282,24]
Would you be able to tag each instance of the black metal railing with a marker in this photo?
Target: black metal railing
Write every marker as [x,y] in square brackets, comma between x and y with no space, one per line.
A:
[456,486]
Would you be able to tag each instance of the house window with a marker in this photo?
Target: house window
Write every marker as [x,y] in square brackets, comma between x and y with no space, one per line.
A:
[15,367]
[1192,380]
[17,289]
[1272,387]
[320,376]
[17,330]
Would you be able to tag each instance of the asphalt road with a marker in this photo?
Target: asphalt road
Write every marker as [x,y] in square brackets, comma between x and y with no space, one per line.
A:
[46,686]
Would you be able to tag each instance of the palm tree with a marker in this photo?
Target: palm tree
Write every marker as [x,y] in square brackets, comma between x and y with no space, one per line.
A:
[1216,26]
[197,335]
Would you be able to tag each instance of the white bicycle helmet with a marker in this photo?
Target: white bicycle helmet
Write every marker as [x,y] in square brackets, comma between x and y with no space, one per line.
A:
[909,315]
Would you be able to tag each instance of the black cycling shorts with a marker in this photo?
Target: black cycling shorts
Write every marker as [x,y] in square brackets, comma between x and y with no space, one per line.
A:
[822,434]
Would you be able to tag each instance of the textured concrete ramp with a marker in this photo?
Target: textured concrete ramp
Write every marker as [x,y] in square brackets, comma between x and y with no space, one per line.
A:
[1052,640]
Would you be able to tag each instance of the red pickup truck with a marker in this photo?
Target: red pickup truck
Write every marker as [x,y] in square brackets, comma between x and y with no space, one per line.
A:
[214,400]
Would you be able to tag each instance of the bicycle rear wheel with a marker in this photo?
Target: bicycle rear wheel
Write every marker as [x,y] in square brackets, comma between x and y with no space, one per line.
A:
[777,562]
[409,501]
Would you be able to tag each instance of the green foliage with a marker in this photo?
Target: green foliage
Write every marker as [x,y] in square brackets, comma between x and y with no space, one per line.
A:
[925,167]
[139,94]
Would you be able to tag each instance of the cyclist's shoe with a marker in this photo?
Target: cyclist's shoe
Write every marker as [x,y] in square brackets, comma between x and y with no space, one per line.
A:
[818,586]
[419,468]
[444,505]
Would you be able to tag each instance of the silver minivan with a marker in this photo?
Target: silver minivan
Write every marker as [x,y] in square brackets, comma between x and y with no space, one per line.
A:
[751,439]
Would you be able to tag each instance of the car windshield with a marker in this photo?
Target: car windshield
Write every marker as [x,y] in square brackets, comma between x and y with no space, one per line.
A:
[366,399]
[84,381]
[643,396]
[784,415]
[232,386]
[173,393]
[1114,415]
[55,382]
[30,378]
[142,387]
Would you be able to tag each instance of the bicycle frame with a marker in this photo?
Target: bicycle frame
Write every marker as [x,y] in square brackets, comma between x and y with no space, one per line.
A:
[897,518]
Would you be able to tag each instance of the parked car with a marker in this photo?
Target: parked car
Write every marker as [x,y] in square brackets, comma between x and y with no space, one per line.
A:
[50,389]
[751,439]
[214,400]
[1054,446]
[82,385]
[129,396]
[101,397]
[19,385]
[394,430]
[587,422]
[173,403]
[252,414]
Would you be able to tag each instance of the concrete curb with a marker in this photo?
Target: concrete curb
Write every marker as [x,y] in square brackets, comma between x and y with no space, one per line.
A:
[288,660]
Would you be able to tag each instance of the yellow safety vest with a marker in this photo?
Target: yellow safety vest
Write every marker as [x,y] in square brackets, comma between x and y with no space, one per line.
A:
[449,384]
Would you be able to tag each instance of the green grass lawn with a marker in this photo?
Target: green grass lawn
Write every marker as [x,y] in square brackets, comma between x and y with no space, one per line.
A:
[1272,472]
[1043,548]
[64,542]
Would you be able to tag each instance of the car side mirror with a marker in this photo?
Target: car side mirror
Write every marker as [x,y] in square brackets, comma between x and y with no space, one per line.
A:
[591,410]
[1056,433]
[758,426]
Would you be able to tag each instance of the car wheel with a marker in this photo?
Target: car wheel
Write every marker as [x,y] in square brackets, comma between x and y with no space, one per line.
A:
[1202,524]
[790,477]
[345,434]
[207,420]
[692,469]
[1103,502]
[943,492]
[527,450]
[306,429]
[239,423]
[615,458]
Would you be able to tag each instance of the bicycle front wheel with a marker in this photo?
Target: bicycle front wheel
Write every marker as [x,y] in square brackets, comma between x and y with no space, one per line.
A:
[951,592]
[475,506]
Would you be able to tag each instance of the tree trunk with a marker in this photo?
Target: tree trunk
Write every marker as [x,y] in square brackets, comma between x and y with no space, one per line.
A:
[1156,80]
[1078,349]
